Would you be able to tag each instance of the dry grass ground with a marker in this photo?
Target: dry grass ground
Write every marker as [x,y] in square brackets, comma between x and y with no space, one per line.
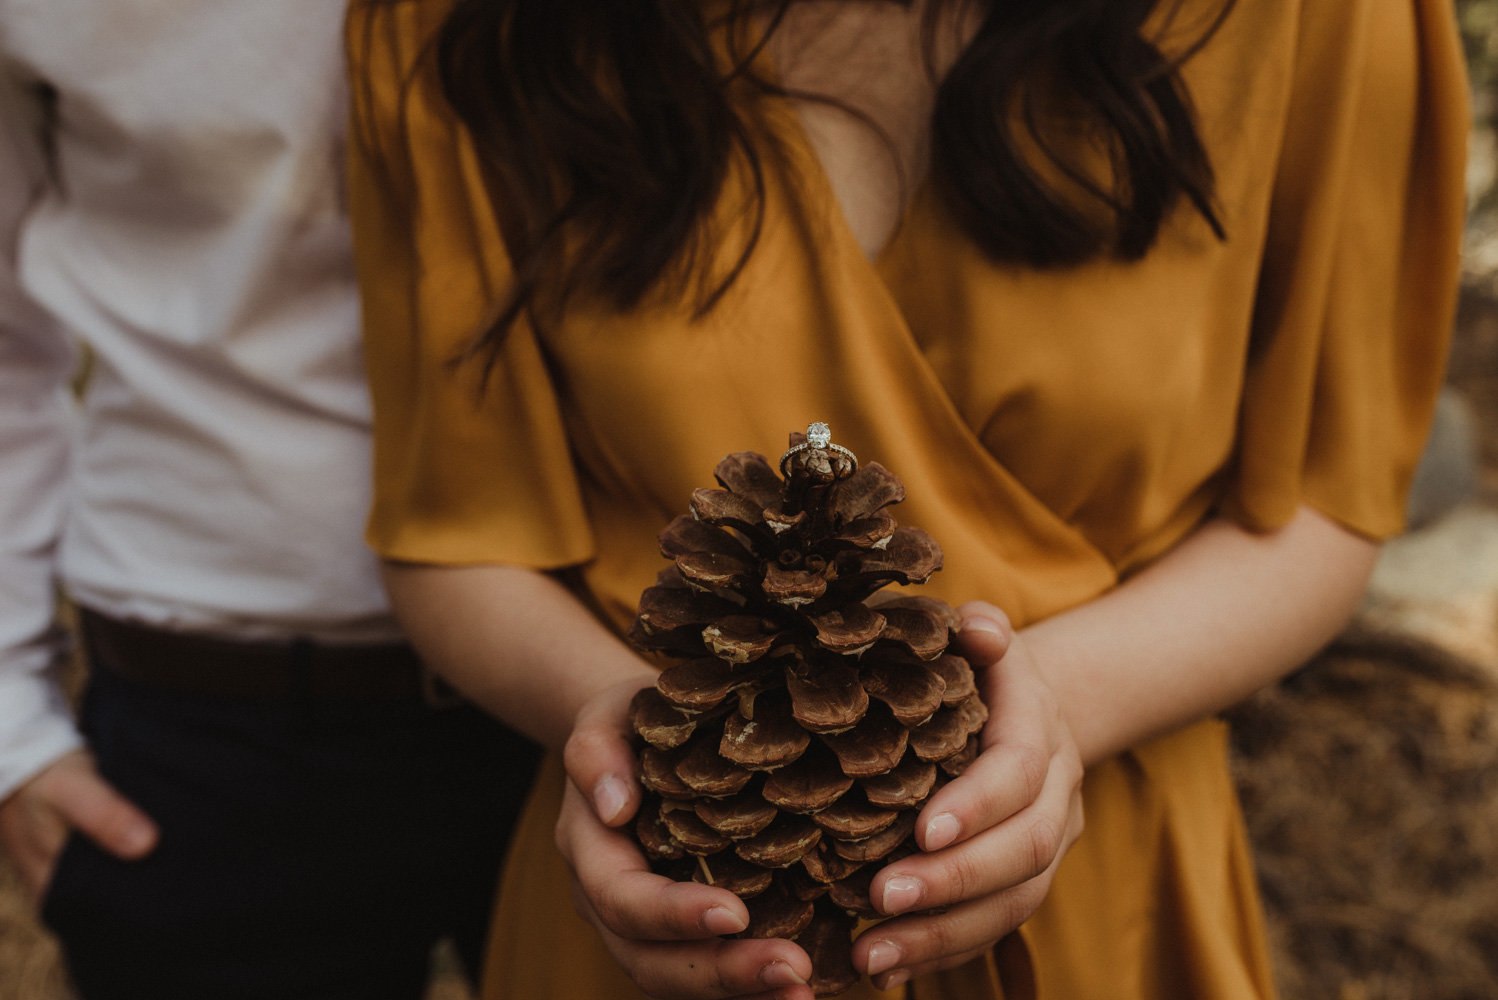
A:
[29,968]
[1370,784]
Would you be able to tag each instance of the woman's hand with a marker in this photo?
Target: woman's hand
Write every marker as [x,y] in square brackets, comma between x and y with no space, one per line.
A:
[992,838]
[664,934]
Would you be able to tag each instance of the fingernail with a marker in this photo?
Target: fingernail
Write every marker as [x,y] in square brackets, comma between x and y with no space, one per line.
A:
[780,974]
[901,893]
[722,920]
[980,625]
[941,831]
[894,980]
[610,796]
[883,955]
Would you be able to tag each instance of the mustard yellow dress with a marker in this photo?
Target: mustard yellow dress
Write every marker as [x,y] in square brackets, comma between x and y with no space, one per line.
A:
[1056,430]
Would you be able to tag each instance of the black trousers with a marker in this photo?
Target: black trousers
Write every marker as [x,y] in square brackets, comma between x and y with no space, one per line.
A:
[308,849]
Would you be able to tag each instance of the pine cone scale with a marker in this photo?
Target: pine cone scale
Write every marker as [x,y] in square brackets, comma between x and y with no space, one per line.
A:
[737,818]
[849,629]
[958,677]
[853,820]
[658,773]
[906,786]
[749,475]
[872,748]
[912,691]
[812,782]
[728,871]
[879,845]
[702,683]
[695,836]
[783,843]
[770,740]
[704,771]
[826,697]
[777,913]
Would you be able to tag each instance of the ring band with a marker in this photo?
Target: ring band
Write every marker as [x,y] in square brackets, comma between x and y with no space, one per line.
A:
[818,435]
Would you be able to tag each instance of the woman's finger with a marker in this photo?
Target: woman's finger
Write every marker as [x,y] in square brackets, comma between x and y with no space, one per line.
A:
[1024,734]
[628,898]
[1007,777]
[985,633]
[753,969]
[600,758]
[1014,852]
[920,942]
[899,976]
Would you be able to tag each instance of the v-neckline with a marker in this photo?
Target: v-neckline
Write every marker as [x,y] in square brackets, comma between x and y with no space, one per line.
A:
[915,193]
[839,217]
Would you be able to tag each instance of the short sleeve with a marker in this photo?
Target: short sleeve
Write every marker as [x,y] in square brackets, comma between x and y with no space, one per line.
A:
[468,468]
[1356,294]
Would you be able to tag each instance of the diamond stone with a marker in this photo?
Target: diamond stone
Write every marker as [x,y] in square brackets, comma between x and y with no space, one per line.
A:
[818,435]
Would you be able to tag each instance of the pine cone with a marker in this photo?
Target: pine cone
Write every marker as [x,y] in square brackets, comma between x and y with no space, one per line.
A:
[787,754]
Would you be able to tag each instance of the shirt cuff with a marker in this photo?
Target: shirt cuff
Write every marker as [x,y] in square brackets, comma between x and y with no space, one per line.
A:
[36,726]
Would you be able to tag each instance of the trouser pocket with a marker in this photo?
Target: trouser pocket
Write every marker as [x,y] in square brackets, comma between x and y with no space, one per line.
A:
[58,895]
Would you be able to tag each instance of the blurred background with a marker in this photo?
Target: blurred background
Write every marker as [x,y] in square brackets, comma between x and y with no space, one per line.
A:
[1370,777]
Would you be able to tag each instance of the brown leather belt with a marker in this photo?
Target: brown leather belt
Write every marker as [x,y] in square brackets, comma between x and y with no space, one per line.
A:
[226,668]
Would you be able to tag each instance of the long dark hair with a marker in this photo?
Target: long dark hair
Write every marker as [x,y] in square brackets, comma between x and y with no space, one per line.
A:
[607,128]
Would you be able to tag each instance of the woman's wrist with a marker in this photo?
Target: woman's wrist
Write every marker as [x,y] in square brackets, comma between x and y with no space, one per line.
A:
[514,641]
[1223,614]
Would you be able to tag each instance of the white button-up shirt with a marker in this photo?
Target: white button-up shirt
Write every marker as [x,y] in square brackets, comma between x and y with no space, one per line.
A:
[170,196]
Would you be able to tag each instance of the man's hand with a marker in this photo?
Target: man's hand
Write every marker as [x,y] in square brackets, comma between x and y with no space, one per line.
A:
[69,794]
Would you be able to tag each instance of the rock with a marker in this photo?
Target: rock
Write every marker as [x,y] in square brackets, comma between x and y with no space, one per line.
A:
[1440,584]
[1447,474]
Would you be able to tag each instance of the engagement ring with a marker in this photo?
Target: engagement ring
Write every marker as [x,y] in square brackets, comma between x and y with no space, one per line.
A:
[818,435]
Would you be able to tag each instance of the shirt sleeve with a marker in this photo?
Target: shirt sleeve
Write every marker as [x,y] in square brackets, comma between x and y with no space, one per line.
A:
[472,463]
[1356,295]
[36,409]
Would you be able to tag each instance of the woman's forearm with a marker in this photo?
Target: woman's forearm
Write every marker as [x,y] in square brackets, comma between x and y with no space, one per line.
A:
[1225,613]
[1220,616]
[513,640]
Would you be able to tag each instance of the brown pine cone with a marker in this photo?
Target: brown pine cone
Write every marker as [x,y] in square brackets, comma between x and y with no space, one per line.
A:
[810,714]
